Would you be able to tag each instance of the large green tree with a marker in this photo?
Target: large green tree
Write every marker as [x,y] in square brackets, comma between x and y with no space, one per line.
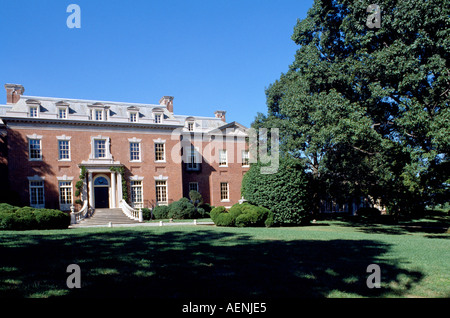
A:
[367,109]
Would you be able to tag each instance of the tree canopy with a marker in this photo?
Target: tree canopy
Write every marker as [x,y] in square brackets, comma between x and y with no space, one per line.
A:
[366,110]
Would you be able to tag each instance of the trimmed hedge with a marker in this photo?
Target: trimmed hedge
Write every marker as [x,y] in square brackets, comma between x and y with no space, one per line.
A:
[242,215]
[28,218]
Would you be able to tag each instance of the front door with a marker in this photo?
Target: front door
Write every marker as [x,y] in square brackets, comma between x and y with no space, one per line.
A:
[101,197]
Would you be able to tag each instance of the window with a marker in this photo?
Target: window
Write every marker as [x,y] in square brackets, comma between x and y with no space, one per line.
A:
[193,186]
[34,111]
[193,161]
[136,194]
[62,113]
[223,158]
[98,114]
[158,118]
[35,149]
[161,191]
[37,199]
[65,194]
[159,152]
[100,148]
[64,149]
[245,158]
[135,151]
[224,193]
[191,126]
[133,117]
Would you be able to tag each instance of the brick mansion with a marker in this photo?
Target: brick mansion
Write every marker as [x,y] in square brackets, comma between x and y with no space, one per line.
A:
[143,153]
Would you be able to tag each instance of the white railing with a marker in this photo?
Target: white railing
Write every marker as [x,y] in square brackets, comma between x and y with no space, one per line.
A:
[80,215]
[134,214]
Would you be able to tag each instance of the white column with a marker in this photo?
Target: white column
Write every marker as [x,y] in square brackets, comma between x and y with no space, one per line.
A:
[119,187]
[91,190]
[113,189]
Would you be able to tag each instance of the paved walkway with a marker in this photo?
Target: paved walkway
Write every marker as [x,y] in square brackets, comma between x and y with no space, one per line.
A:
[161,223]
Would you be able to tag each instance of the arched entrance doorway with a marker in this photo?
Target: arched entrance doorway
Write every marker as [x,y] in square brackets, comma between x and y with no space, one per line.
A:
[101,191]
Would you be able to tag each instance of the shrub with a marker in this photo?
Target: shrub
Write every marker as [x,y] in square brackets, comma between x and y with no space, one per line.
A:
[285,192]
[224,219]
[215,212]
[368,212]
[242,215]
[146,214]
[51,219]
[196,197]
[27,218]
[182,209]
[161,212]
[7,208]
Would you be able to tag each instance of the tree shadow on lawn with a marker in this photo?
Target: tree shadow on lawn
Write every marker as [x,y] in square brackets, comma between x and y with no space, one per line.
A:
[200,264]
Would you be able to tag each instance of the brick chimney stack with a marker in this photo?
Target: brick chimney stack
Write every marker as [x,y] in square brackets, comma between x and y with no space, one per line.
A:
[168,102]
[220,114]
[13,93]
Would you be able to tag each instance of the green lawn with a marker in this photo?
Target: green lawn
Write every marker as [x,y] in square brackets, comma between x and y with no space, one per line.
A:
[328,259]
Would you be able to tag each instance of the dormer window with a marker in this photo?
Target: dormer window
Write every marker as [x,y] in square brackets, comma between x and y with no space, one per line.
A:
[98,112]
[62,110]
[33,111]
[133,114]
[190,123]
[158,114]
[33,108]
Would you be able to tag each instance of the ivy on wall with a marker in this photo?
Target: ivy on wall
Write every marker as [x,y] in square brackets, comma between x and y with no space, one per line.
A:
[121,170]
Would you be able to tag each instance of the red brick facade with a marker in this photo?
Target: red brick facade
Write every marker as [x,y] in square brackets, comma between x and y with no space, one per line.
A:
[31,135]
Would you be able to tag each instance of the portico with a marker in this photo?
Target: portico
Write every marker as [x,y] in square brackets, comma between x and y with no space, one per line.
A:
[104,185]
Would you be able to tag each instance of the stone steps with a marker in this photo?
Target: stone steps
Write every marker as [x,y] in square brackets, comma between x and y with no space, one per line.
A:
[104,217]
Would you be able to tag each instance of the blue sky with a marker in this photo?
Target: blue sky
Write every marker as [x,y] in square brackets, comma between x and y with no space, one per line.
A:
[209,54]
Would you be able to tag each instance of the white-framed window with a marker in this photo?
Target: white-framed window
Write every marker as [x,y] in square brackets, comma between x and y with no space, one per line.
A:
[98,114]
[63,150]
[100,148]
[193,186]
[133,117]
[193,160]
[37,197]
[33,111]
[137,198]
[62,112]
[65,194]
[135,151]
[245,158]
[35,149]
[158,118]
[190,126]
[224,191]
[161,191]
[160,151]
[223,160]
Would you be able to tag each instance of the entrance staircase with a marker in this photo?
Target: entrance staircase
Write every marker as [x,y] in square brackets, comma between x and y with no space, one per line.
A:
[104,217]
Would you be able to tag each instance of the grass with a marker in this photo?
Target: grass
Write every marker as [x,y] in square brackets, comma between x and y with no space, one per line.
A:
[328,259]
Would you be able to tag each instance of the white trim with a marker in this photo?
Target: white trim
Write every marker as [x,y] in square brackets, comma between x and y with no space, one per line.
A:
[63,137]
[159,141]
[160,178]
[136,178]
[134,139]
[34,136]
[64,178]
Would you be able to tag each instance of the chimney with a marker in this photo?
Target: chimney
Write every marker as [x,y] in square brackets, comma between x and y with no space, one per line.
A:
[168,102]
[220,114]
[13,93]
